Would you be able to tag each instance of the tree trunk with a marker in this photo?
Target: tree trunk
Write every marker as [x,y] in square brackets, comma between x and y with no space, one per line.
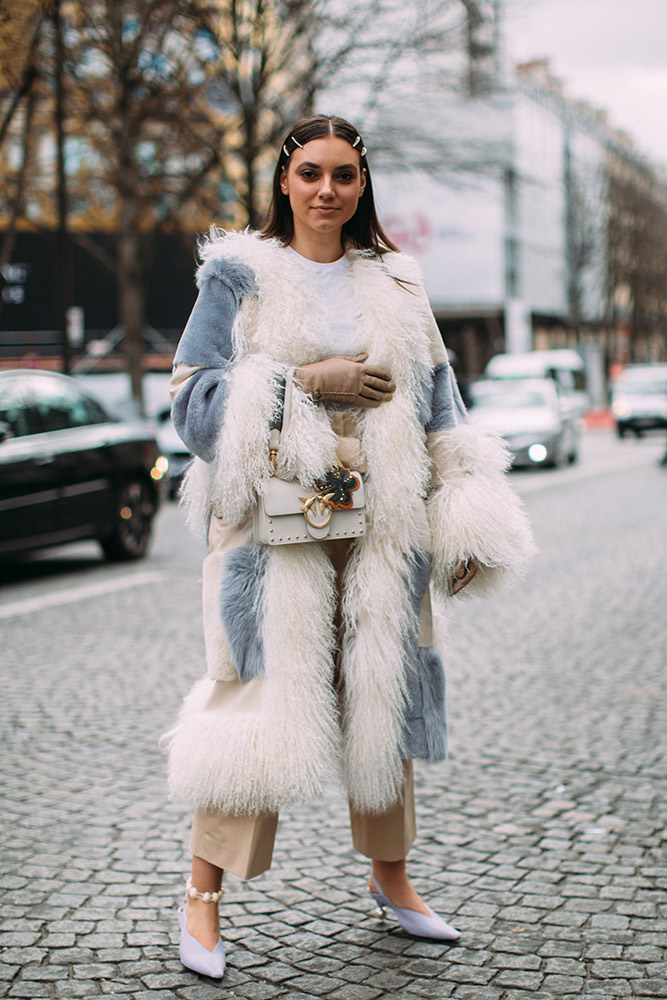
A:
[131,267]
[249,162]
[63,251]
[131,291]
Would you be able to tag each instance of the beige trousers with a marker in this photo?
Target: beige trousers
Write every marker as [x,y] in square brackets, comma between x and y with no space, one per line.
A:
[243,845]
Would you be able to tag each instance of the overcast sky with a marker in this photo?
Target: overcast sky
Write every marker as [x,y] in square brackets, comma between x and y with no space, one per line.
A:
[612,53]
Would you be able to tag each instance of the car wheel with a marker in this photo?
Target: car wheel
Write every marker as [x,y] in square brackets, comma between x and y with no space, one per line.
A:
[573,447]
[132,522]
[561,447]
[620,430]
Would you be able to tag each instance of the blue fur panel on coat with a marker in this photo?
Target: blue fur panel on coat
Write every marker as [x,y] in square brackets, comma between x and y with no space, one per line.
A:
[240,607]
[447,408]
[199,408]
[207,339]
[425,725]
[426,729]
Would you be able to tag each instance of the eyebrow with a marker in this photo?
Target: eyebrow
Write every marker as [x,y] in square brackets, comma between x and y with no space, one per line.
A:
[343,166]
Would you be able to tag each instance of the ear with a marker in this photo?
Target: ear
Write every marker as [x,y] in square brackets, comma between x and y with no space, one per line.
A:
[362,183]
[284,186]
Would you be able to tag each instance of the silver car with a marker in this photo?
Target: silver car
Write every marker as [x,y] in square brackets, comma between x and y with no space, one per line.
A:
[528,415]
[639,399]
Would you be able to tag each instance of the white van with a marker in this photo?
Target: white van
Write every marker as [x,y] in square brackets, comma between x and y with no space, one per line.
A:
[566,367]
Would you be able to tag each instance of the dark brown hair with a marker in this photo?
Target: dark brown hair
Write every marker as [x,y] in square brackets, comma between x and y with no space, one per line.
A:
[363,231]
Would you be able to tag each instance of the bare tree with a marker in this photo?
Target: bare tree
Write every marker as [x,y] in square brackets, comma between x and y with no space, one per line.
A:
[586,203]
[21,27]
[411,73]
[386,64]
[278,58]
[175,109]
[149,139]
[637,262]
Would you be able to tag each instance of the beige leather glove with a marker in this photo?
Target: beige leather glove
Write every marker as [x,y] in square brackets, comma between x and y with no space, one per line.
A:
[463,574]
[348,380]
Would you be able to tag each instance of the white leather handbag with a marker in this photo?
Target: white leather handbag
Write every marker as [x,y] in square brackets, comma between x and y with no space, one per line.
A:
[289,513]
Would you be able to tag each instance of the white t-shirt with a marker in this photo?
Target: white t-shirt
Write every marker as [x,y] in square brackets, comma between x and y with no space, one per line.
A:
[335,287]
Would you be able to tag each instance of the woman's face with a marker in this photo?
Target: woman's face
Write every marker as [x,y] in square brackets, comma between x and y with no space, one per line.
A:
[324,180]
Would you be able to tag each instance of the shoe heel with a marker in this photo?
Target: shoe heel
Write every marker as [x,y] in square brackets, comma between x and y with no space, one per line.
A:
[418,924]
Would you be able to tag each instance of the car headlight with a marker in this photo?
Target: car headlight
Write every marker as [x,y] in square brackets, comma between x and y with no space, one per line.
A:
[537,453]
[620,408]
[160,467]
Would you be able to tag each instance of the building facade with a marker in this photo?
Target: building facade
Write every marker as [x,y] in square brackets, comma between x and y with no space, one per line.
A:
[542,241]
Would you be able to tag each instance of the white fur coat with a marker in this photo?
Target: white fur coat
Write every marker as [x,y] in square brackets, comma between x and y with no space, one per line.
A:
[246,744]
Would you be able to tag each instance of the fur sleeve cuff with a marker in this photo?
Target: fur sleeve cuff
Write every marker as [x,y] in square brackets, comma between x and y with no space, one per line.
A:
[473,512]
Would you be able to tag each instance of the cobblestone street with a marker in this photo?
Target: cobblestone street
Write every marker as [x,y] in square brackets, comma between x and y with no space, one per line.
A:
[542,838]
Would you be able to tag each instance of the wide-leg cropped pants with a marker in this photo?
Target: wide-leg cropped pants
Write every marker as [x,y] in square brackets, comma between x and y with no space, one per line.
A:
[243,845]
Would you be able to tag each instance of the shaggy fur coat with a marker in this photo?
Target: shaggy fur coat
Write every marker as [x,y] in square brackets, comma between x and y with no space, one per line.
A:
[267,727]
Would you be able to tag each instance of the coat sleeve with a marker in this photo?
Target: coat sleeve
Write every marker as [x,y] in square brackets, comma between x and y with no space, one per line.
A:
[203,364]
[473,511]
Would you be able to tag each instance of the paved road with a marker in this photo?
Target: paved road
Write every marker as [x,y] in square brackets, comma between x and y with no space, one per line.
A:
[542,837]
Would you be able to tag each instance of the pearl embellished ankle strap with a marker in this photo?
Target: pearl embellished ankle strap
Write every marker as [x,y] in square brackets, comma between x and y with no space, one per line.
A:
[206,897]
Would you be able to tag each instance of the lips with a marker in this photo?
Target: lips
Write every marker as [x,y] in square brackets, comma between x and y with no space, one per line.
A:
[323,210]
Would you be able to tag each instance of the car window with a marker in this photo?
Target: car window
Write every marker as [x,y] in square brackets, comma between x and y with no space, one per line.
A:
[507,398]
[564,378]
[642,386]
[59,406]
[13,406]
[94,412]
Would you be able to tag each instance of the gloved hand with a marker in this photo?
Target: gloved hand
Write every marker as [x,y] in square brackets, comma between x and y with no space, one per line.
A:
[463,574]
[346,379]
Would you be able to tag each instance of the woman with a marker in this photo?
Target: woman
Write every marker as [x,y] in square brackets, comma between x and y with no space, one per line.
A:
[320,656]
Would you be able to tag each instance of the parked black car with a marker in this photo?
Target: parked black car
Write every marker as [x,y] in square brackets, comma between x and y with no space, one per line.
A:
[70,471]
[114,392]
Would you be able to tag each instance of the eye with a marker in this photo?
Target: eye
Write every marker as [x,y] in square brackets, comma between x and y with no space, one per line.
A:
[308,174]
[347,176]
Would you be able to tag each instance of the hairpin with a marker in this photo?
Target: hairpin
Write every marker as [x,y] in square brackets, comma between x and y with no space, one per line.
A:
[362,151]
[296,142]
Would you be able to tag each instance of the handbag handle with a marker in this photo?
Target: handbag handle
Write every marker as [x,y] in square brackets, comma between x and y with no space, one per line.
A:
[280,420]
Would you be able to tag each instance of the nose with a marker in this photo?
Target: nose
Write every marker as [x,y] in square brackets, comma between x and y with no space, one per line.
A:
[326,187]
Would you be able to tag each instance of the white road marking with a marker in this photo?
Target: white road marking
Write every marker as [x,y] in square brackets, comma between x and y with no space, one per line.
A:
[551,477]
[28,605]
